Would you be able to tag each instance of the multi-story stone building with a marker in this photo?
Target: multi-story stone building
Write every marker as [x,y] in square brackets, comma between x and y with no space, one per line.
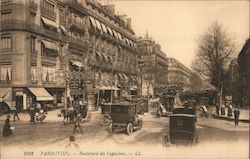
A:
[54,51]
[244,74]
[178,74]
[153,66]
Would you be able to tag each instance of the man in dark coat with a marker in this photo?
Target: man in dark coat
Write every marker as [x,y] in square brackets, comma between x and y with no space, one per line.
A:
[236,116]
[6,129]
[15,111]
[77,123]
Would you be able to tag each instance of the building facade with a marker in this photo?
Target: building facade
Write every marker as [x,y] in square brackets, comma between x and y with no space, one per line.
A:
[59,51]
[178,74]
[153,66]
[244,74]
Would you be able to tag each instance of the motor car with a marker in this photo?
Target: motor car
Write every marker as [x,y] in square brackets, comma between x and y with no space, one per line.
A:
[182,130]
[182,125]
[125,117]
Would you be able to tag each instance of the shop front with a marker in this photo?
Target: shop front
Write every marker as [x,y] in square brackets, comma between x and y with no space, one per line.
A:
[5,99]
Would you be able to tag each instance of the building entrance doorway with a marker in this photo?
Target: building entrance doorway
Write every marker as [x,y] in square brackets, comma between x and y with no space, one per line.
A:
[19,103]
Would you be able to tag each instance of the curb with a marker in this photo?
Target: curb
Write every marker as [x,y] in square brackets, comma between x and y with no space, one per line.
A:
[229,119]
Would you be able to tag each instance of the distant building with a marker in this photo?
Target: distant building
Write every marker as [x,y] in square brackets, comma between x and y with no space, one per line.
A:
[153,66]
[178,74]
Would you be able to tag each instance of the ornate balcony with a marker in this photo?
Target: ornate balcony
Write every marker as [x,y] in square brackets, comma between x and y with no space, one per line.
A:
[76,24]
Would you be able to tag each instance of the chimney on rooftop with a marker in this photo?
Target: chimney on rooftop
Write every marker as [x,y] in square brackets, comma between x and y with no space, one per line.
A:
[110,8]
[129,23]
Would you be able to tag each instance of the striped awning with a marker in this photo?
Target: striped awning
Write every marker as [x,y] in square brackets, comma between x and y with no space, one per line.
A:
[50,45]
[77,63]
[41,94]
[49,22]
[98,24]
[92,22]
[5,95]
[134,87]
[63,28]
[104,28]
[109,31]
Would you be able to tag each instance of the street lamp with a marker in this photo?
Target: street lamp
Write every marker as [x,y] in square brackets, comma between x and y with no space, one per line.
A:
[141,64]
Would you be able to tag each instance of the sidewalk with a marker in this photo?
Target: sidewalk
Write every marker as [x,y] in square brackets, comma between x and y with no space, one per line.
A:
[52,116]
[244,115]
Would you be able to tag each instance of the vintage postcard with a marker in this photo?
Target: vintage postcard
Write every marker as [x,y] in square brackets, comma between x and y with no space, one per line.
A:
[124,79]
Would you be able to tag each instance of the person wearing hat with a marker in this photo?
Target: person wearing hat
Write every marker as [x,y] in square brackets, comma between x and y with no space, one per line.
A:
[77,123]
[72,144]
[236,116]
[7,128]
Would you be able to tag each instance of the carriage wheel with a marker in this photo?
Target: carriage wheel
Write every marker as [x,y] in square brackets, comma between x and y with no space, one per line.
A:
[129,128]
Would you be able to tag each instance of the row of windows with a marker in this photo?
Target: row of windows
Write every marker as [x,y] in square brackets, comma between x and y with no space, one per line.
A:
[6,43]
[47,6]
[5,73]
[6,16]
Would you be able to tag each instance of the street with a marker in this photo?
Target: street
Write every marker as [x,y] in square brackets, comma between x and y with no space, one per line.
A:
[144,142]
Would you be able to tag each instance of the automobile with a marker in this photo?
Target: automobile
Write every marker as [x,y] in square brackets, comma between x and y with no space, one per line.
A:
[182,130]
[106,113]
[182,125]
[125,116]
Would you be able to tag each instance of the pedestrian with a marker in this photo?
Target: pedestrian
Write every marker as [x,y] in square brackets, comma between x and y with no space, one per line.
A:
[230,111]
[32,114]
[77,123]
[72,144]
[7,128]
[159,111]
[42,115]
[223,109]
[236,116]
[217,109]
[15,114]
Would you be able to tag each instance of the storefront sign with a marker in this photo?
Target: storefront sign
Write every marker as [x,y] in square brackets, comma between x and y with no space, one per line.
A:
[75,87]
[19,93]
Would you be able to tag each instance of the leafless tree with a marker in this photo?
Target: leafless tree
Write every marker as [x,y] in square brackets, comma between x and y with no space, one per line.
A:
[214,50]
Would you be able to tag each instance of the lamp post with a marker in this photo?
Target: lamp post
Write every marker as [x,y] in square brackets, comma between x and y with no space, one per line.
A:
[141,63]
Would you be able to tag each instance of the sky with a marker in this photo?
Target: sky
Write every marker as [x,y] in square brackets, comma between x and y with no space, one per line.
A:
[177,25]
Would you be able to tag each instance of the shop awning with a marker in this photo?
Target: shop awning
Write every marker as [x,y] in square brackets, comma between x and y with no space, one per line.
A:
[120,76]
[105,57]
[104,28]
[133,87]
[119,36]
[98,24]
[50,45]
[98,53]
[109,31]
[63,28]
[92,21]
[49,22]
[125,77]
[77,63]
[115,34]
[41,94]
[114,88]
[5,95]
